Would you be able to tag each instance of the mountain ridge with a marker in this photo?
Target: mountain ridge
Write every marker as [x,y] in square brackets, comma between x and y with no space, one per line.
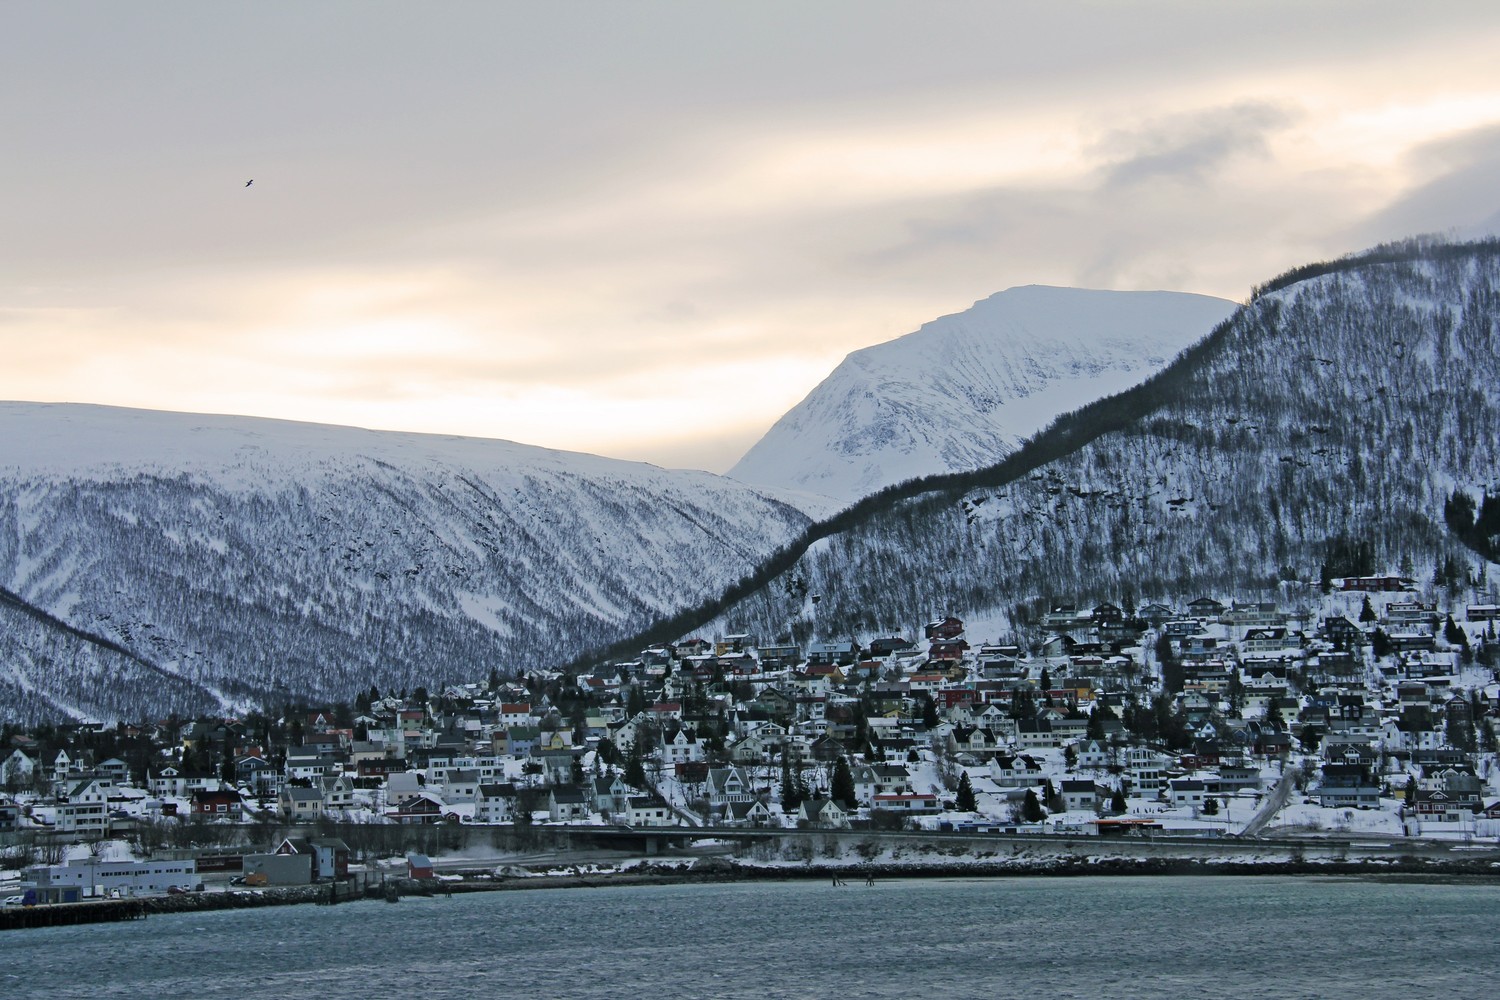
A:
[965,389]
[231,561]
[864,585]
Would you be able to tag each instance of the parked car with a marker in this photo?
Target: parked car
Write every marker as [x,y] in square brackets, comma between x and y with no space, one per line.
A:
[12,901]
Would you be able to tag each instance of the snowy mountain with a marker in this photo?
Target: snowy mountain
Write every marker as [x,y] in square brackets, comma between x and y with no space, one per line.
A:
[965,390]
[154,562]
[1322,430]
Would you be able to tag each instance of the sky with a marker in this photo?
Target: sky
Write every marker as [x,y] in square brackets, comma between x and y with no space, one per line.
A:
[646,230]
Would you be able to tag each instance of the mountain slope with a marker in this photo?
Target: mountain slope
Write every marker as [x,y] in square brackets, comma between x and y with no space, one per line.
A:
[153,562]
[1323,425]
[967,389]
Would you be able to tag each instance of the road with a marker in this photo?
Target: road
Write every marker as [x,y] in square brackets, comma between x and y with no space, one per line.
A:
[1273,804]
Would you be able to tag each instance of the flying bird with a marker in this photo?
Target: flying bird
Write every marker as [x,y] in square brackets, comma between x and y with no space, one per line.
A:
[249,182]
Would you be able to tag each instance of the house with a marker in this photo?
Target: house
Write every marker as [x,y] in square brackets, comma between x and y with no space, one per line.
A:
[1205,609]
[1348,785]
[871,780]
[1437,805]
[16,770]
[752,813]
[684,746]
[337,789]
[649,810]
[418,809]
[822,812]
[460,784]
[83,810]
[557,765]
[260,775]
[949,650]
[418,866]
[1033,734]
[299,804]
[611,795]
[1079,795]
[1145,768]
[750,750]
[568,803]
[1094,754]
[1375,584]
[881,648]
[217,803]
[330,855]
[1267,640]
[1187,792]
[115,770]
[727,785]
[947,627]
[838,653]
[907,803]
[1022,771]
[1343,633]
[495,803]
[1156,615]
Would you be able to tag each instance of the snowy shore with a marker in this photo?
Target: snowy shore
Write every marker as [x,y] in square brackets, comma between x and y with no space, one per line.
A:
[854,872]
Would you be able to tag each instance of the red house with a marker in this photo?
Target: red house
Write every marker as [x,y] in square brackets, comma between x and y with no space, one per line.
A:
[944,628]
[223,803]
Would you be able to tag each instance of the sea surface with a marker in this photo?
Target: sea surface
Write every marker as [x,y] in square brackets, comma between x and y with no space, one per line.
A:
[1241,937]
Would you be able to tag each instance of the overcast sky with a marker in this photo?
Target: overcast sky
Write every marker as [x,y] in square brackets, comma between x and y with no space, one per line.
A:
[646,230]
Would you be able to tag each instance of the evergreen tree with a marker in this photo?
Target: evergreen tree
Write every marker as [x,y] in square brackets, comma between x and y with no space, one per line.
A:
[1095,728]
[1117,803]
[1367,612]
[1172,675]
[1454,635]
[635,767]
[1031,808]
[929,711]
[1236,691]
[792,787]
[841,785]
[1052,797]
[1273,716]
[966,801]
[607,751]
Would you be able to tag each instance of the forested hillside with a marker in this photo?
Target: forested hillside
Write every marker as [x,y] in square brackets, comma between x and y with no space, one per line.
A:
[154,562]
[1321,430]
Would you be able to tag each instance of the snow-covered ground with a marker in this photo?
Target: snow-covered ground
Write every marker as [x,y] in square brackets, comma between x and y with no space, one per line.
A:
[966,389]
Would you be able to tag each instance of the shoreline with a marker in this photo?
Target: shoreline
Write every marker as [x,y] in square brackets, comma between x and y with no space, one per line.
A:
[718,871]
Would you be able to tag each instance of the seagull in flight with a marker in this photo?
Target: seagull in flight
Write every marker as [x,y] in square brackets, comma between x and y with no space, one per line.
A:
[249,182]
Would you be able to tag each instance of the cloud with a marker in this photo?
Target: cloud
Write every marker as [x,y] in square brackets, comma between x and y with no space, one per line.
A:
[1189,148]
[1457,192]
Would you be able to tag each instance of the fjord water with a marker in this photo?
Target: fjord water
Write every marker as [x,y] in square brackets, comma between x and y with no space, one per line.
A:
[1055,938]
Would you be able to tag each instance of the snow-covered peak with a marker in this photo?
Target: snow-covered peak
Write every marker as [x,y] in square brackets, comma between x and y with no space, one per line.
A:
[82,441]
[214,562]
[966,389]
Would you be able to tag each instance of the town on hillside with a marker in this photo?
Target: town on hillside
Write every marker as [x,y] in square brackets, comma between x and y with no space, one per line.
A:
[1369,712]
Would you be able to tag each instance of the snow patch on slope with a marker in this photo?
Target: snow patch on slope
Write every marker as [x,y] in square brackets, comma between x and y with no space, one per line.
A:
[965,390]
